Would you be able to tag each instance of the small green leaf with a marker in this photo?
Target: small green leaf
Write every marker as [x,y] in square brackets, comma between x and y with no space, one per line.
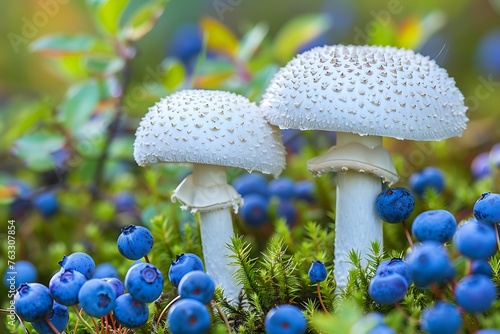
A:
[103,65]
[251,41]
[80,101]
[143,20]
[298,32]
[109,13]
[174,73]
[58,45]
[35,149]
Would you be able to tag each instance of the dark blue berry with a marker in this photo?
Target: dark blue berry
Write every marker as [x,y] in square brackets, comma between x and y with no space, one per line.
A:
[188,316]
[144,282]
[79,261]
[129,312]
[135,242]
[441,318]
[487,208]
[97,298]
[429,178]
[46,203]
[282,187]
[435,225]
[394,205]
[251,184]
[197,285]
[317,272]
[429,263]
[304,190]
[33,301]
[286,210]
[382,329]
[183,264]
[480,166]
[105,270]
[186,42]
[23,272]
[294,140]
[116,284]
[475,293]
[388,288]
[65,285]
[475,240]
[481,267]
[124,202]
[285,319]
[254,210]
[488,331]
[395,266]
[59,317]
[488,53]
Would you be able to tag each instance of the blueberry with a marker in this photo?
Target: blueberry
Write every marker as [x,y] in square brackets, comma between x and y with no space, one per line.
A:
[430,177]
[59,317]
[79,261]
[124,202]
[395,266]
[251,183]
[282,187]
[285,319]
[495,155]
[287,211]
[135,242]
[183,264]
[435,225]
[441,318]
[382,329]
[488,52]
[129,312]
[480,166]
[97,298]
[394,205]
[116,284]
[188,316]
[475,240]
[481,267]
[23,272]
[475,293]
[488,331]
[186,42]
[197,285]
[254,210]
[429,263]
[487,208]
[46,203]
[317,272]
[388,288]
[304,190]
[105,270]
[33,301]
[144,282]
[65,285]
[294,140]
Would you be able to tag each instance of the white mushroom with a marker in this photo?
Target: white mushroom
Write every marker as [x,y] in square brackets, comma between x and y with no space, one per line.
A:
[211,130]
[364,93]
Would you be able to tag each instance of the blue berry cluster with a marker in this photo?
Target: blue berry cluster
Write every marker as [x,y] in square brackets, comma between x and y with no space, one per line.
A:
[260,195]
[485,163]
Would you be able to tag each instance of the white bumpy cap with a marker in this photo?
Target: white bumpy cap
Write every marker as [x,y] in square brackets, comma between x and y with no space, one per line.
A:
[368,90]
[209,127]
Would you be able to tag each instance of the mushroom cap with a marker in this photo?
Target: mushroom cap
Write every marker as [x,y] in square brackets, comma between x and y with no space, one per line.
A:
[368,90]
[209,127]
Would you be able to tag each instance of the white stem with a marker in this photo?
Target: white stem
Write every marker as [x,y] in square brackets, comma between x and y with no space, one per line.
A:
[356,222]
[216,231]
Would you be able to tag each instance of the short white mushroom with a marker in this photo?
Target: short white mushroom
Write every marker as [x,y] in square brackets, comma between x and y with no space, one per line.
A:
[363,93]
[211,130]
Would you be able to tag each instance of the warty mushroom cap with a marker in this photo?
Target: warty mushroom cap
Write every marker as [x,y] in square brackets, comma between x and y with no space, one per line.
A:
[368,90]
[209,127]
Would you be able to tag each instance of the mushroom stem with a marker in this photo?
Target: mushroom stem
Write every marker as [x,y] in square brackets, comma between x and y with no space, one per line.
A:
[216,229]
[356,223]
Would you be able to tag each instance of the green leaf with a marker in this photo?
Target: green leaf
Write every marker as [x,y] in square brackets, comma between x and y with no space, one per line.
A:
[109,13]
[219,38]
[103,65]
[174,73]
[143,20]
[35,149]
[298,32]
[58,45]
[80,101]
[252,41]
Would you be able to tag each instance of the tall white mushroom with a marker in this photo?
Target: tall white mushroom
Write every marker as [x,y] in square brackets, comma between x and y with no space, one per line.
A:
[363,93]
[211,130]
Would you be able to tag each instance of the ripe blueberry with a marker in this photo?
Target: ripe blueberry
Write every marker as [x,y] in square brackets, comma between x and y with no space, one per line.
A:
[429,178]
[25,272]
[475,240]
[144,282]
[197,285]
[475,293]
[254,210]
[441,318]
[96,297]
[435,225]
[487,208]
[183,264]
[251,184]
[134,242]
[129,312]
[188,316]
[285,319]
[395,266]
[59,317]
[394,205]
[429,263]
[79,261]
[388,288]
[33,301]
[65,285]
[317,272]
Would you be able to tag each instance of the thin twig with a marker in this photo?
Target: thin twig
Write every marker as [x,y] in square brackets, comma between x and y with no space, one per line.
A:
[223,316]
[18,318]
[79,315]
[165,309]
[51,325]
[321,298]
[498,237]
[407,233]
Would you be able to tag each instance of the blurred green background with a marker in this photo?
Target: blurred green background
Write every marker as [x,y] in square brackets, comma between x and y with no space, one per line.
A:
[70,105]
